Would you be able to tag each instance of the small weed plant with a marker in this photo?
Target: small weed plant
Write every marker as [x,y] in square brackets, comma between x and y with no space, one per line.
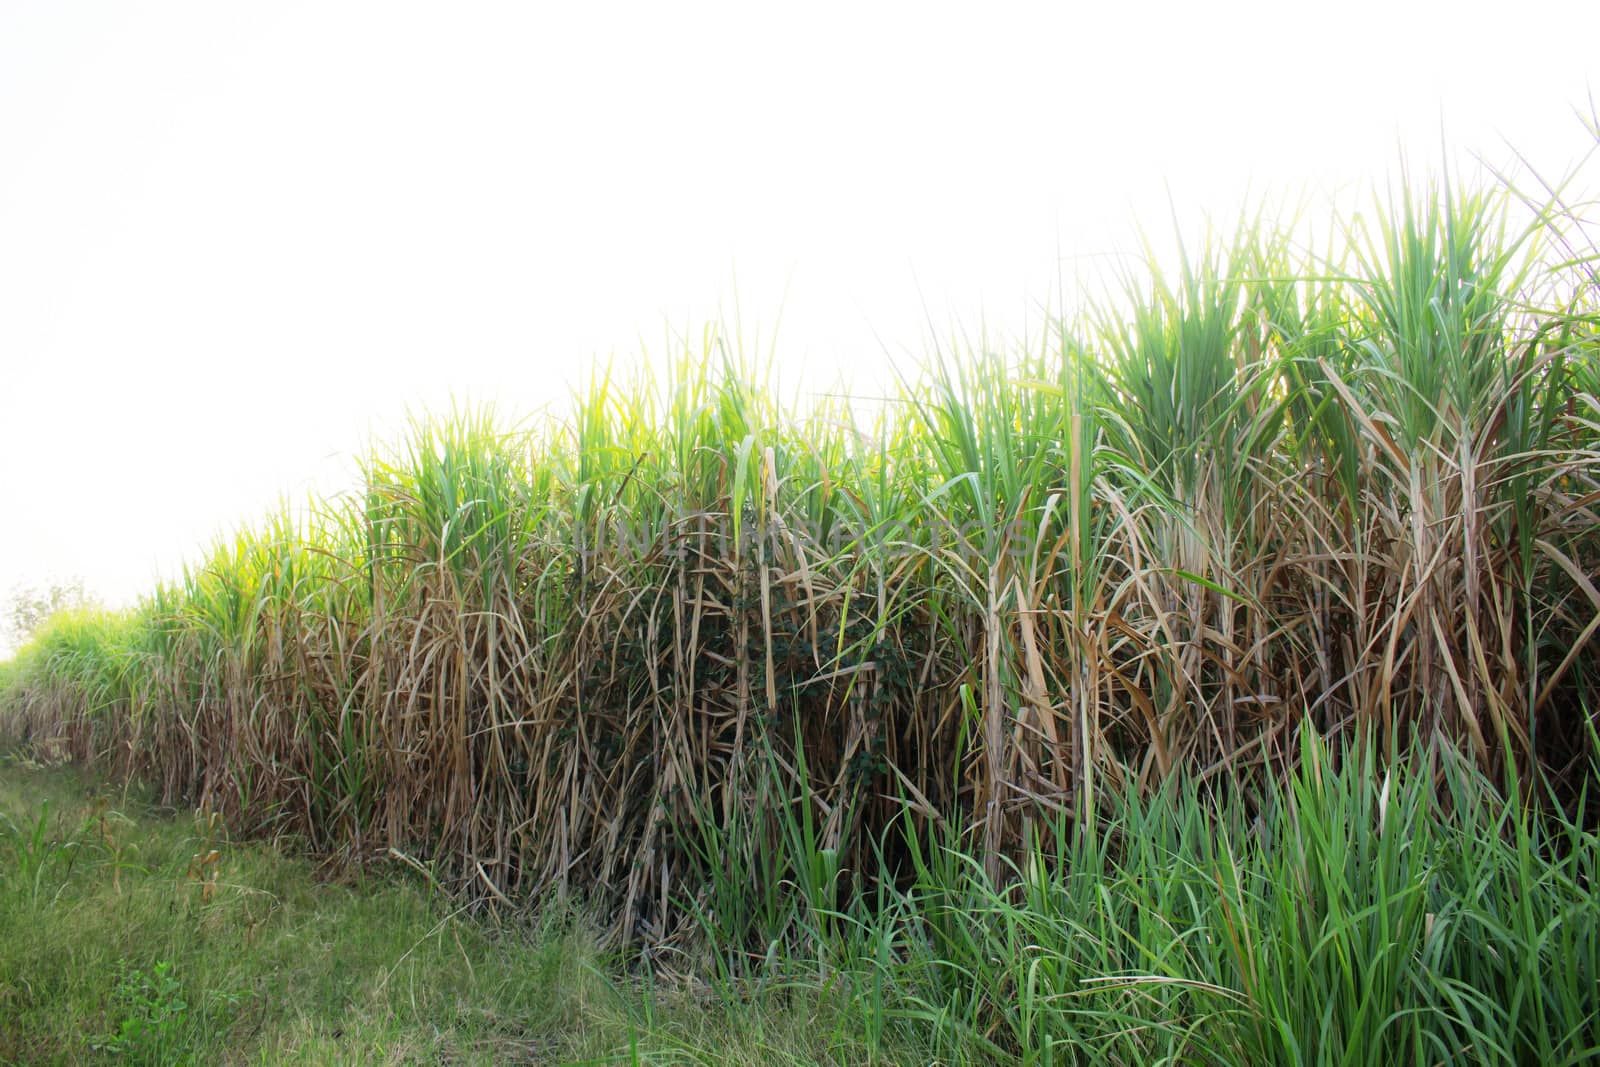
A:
[152,1012]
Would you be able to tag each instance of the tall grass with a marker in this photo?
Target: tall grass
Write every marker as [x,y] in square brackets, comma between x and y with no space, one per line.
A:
[1265,505]
[1358,916]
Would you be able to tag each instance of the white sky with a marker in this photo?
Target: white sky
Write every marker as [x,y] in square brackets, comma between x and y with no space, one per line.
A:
[236,240]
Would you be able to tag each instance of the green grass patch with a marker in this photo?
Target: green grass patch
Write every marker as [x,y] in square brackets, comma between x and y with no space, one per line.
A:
[133,935]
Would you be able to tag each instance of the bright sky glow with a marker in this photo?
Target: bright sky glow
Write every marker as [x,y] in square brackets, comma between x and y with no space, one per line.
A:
[237,240]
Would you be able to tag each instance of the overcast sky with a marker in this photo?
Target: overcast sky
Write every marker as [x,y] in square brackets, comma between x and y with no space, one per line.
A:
[236,240]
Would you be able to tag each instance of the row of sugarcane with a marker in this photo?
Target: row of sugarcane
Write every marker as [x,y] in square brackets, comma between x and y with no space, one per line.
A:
[1263,493]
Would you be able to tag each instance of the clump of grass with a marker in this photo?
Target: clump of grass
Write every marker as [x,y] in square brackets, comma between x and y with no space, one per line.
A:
[1356,917]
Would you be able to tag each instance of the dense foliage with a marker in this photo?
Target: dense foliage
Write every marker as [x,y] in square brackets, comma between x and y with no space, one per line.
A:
[1081,591]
